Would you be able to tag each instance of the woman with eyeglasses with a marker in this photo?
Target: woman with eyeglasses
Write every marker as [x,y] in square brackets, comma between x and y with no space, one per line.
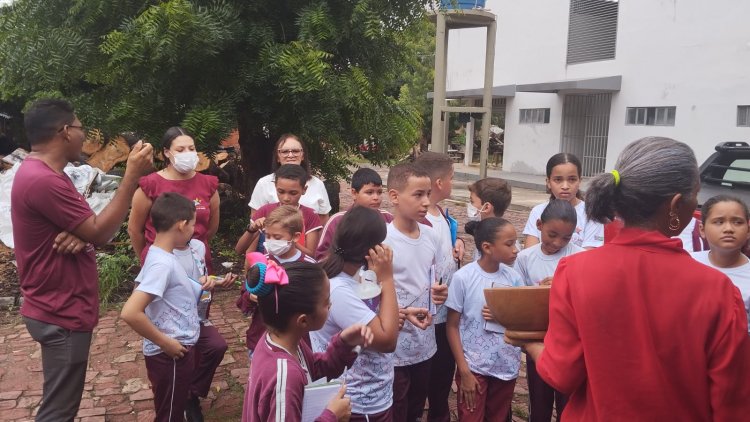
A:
[289,149]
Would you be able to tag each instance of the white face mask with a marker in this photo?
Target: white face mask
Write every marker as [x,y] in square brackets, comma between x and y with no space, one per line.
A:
[368,286]
[472,212]
[277,247]
[185,162]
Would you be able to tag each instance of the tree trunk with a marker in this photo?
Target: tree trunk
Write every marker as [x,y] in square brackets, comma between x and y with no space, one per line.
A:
[256,150]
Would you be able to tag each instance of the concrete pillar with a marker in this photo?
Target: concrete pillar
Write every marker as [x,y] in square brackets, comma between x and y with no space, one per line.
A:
[441,63]
[489,70]
[469,150]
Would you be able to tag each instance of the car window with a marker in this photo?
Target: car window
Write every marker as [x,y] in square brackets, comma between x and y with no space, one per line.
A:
[733,175]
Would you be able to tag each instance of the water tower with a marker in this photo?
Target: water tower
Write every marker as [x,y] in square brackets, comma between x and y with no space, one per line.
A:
[459,14]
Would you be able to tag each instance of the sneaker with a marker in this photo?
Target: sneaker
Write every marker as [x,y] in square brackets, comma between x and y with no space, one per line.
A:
[193,411]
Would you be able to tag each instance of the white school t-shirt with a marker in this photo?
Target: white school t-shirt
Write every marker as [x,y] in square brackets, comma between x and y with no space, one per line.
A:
[174,310]
[369,382]
[192,259]
[445,265]
[316,196]
[412,267]
[588,233]
[740,277]
[534,265]
[485,351]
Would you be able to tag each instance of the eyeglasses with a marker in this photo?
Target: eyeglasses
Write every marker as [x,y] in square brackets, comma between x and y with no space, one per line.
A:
[292,152]
[82,128]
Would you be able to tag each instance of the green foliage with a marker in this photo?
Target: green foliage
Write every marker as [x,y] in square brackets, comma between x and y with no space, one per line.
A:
[335,72]
[115,277]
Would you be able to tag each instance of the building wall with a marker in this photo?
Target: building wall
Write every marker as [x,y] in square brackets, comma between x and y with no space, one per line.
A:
[694,55]
[529,146]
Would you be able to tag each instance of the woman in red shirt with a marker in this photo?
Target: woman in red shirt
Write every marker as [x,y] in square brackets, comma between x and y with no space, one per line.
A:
[178,176]
[638,330]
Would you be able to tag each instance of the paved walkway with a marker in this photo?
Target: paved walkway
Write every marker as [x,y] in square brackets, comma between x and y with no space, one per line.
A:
[117,387]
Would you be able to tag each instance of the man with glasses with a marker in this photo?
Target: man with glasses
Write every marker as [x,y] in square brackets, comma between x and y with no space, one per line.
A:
[60,290]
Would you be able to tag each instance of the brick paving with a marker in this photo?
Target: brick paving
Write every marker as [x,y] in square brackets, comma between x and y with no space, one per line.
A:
[117,388]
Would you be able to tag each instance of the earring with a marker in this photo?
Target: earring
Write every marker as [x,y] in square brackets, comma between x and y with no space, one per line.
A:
[674,221]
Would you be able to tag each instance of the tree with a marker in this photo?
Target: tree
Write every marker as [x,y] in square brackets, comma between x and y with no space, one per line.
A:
[330,71]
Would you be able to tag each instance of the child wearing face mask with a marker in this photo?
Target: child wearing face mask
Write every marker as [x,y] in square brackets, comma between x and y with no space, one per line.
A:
[178,176]
[283,228]
[488,197]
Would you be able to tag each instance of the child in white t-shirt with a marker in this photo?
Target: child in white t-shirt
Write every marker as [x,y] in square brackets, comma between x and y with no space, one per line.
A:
[163,308]
[563,182]
[415,247]
[537,265]
[724,224]
[357,299]
[440,168]
[488,197]
[487,367]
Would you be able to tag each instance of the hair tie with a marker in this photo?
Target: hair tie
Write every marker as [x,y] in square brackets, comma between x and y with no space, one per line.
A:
[616,175]
[339,251]
[261,289]
[271,275]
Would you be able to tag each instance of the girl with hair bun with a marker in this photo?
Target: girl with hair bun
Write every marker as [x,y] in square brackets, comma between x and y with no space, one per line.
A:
[638,330]
[294,300]
[358,298]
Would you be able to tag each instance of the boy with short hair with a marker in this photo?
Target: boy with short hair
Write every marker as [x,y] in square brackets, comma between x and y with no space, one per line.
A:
[367,191]
[290,180]
[163,308]
[415,247]
[440,169]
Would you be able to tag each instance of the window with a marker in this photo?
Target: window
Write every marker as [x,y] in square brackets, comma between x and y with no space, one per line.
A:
[592,30]
[533,115]
[743,115]
[739,172]
[651,116]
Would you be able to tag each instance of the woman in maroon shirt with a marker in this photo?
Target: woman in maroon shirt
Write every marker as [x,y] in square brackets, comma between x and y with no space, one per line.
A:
[178,176]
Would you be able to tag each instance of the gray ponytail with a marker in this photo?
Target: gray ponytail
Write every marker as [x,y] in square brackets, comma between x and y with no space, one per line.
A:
[651,171]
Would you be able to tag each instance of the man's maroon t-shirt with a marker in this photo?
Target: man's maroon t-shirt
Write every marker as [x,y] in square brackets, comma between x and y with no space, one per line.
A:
[60,289]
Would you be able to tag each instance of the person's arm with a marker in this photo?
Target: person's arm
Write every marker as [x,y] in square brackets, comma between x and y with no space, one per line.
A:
[137,222]
[133,313]
[98,229]
[213,222]
[385,325]
[339,354]
[311,242]
[249,238]
[469,387]
[563,364]
[729,360]
[67,243]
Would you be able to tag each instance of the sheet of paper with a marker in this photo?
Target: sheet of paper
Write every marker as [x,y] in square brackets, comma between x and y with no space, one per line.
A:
[316,399]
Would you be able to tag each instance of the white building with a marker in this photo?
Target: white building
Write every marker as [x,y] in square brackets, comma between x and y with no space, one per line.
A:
[590,76]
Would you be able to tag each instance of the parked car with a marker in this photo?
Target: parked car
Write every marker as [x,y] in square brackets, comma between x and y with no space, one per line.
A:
[726,171]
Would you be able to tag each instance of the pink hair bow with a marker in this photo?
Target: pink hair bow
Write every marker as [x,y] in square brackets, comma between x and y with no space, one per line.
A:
[271,273]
